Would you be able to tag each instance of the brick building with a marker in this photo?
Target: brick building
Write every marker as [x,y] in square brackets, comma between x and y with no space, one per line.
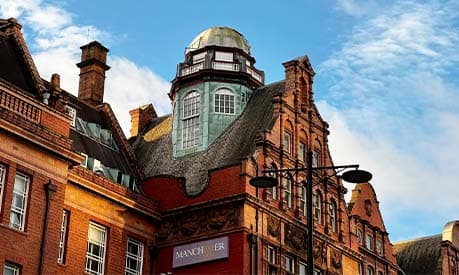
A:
[69,196]
[227,124]
[437,254]
[76,196]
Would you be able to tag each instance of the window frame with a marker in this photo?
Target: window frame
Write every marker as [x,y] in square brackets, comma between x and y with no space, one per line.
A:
[359,234]
[24,197]
[287,142]
[220,96]
[332,211]
[72,112]
[289,264]
[379,247]
[136,257]
[2,183]
[287,184]
[15,268]
[318,207]
[191,110]
[302,268]
[303,199]
[315,158]
[102,244]
[62,252]
[302,151]
[369,242]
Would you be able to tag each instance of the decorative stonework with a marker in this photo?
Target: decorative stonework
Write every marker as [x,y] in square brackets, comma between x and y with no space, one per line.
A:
[336,258]
[368,208]
[273,227]
[320,252]
[201,222]
[295,237]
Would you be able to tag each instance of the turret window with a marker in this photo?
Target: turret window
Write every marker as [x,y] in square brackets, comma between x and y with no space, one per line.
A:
[190,123]
[224,102]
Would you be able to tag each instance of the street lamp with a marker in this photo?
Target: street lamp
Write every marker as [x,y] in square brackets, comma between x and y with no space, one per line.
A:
[353,176]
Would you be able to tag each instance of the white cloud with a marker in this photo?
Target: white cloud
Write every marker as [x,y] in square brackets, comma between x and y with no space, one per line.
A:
[356,7]
[55,48]
[394,108]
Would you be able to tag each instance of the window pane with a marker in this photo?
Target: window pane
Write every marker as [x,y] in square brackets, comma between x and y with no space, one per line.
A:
[134,257]
[19,201]
[95,252]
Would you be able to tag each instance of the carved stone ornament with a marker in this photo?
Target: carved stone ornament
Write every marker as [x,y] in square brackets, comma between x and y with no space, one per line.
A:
[336,259]
[295,238]
[273,227]
[201,222]
[368,208]
[320,252]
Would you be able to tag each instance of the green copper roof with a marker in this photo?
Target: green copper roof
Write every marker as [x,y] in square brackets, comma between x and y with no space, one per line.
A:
[219,36]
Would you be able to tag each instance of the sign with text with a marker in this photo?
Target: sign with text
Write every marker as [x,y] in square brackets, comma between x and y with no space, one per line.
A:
[201,252]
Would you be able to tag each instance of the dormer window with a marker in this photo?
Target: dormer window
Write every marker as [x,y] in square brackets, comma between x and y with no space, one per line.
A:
[224,102]
[72,113]
[190,119]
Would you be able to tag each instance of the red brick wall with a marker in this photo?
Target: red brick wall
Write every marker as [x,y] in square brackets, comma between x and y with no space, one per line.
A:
[222,183]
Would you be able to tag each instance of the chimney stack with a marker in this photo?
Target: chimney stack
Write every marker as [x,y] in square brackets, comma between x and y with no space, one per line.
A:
[92,73]
[140,117]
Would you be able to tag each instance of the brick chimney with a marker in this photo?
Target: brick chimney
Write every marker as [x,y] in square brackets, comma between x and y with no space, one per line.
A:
[140,117]
[92,73]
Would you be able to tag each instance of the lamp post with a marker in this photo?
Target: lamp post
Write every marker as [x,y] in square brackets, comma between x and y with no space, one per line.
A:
[353,176]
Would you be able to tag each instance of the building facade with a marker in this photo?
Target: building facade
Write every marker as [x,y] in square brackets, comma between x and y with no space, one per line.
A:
[69,196]
[77,197]
[437,254]
[228,126]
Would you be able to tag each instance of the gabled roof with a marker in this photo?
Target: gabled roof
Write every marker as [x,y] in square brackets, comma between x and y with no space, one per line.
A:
[365,205]
[419,256]
[235,143]
[17,67]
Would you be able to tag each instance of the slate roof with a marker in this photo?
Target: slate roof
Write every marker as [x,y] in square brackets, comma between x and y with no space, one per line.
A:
[235,143]
[91,147]
[12,68]
[419,256]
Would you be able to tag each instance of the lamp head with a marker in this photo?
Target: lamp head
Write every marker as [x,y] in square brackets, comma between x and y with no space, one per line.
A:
[263,182]
[356,176]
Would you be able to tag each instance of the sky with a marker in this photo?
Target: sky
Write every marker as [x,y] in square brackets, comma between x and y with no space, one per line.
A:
[386,77]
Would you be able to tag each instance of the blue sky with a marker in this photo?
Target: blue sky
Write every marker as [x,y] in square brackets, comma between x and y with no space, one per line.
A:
[385,77]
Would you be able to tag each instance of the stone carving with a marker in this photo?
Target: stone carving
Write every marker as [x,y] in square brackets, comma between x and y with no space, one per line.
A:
[295,238]
[200,222]
[368,208]
[336,259]
[320,252]
[273,227]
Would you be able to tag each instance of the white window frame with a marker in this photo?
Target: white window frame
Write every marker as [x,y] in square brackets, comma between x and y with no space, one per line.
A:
[289,264]
[224,102]
[332,215]
[302,268]
[287,142]
[224,56]
[287,183]
[271,255]
[92,256]
[72,113]
[2,183]
[20,195]
[63,237]
[303,205]
[369,242]
[318,207]
[301,151]
[138,258]
[190,119]
[15,269]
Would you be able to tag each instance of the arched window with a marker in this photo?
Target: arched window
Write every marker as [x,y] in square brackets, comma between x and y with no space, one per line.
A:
[370,270]
[224,102]
[287,184]
[332,215]
[318,207]
[190,119]
[360,236]
[274,188]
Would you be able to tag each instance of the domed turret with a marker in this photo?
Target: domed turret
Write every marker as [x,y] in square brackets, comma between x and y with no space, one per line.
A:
[211,88]
[219,36]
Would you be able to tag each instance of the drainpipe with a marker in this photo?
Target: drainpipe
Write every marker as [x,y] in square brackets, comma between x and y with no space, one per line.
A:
[50,188]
